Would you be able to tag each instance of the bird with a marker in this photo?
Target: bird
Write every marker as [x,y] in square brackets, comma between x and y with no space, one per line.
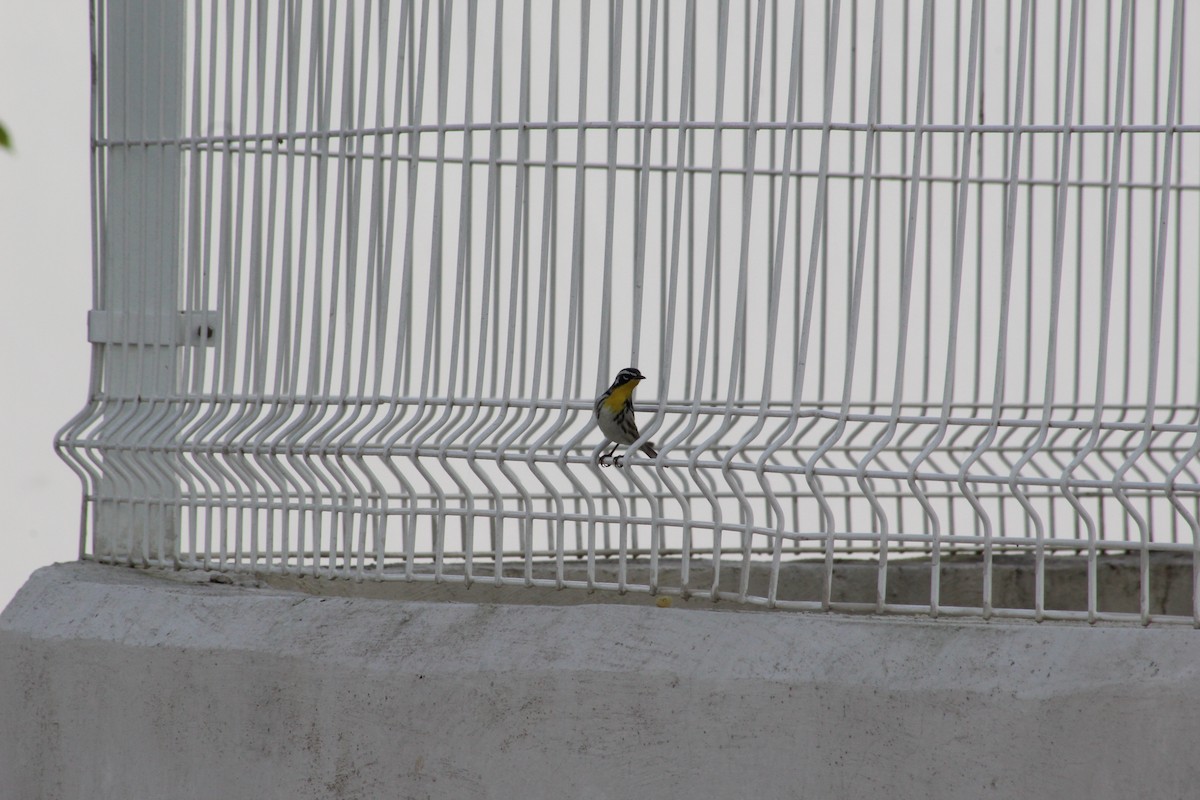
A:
[614,414]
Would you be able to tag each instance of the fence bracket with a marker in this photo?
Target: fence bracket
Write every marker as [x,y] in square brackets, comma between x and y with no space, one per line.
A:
[182,329]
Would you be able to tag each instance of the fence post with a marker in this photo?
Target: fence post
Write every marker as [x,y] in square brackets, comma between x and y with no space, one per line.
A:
[139,322]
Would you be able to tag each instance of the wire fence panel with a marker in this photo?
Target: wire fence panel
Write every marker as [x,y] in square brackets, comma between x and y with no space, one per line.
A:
[910,283]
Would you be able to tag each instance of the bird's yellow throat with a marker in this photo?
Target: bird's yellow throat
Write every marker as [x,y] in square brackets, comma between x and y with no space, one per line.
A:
[620,395]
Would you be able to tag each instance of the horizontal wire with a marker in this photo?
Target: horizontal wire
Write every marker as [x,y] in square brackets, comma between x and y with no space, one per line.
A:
[665,125]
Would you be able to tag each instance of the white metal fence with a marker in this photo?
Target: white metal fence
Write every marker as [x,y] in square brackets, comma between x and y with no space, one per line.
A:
[909,280]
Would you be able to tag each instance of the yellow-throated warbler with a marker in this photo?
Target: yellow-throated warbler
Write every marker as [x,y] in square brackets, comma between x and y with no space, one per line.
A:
[614,414]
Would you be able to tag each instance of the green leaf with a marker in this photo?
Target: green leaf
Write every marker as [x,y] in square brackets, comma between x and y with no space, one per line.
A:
[5,141]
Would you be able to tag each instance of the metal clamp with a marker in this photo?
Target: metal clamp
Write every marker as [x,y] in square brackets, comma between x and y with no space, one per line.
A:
[184,328]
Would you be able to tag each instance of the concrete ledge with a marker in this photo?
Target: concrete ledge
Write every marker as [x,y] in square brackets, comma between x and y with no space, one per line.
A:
[117,683]
[1118,583]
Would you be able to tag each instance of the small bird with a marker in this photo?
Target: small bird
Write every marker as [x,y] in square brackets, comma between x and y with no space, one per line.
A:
[614,414]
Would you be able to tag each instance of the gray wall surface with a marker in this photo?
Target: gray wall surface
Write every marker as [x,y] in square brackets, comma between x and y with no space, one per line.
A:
[118,683]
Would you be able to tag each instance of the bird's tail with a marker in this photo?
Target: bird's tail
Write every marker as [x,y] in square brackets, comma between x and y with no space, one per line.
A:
[648,449]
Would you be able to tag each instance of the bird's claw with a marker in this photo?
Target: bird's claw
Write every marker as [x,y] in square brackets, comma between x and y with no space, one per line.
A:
[604,461]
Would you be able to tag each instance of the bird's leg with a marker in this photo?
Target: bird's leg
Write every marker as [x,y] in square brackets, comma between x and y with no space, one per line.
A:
[606,459]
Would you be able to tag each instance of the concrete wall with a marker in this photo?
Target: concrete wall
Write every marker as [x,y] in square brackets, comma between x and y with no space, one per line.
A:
[116,683]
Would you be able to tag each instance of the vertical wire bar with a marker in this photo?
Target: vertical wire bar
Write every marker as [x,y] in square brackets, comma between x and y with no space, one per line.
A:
[227,230]
[487,304]
[774,291]
[338,370]
[303,378]
[162,507]
[603,366]
[519,211]
[1127,261]
[998,382]
[460,336]
[689,364]
[819,232]
[354,413]
[615,35]
[643,203]
[219,416]
[1077,272]
[324,308]
[736,384]
[959,243]
[707,299]
[256,551]
[1031,197]
[405,353]
[572,375]
[1105,324]
[89,476]
[906,276]
[387,172]
[1060,230]
[429,359]
[259,433]
[667,339]
[643,196]
[717,189]
[854,295]
[1179,363]
[1177,315]
[1160,242]
[549,198]
[372,503]
[209,114]
[198,290]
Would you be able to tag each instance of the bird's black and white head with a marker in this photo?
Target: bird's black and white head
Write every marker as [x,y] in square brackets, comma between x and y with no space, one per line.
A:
[628,375]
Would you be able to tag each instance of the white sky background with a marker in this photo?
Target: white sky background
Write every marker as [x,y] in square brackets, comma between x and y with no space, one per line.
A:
[45,258]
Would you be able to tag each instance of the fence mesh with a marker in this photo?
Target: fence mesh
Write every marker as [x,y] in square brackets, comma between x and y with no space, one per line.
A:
[908,281]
